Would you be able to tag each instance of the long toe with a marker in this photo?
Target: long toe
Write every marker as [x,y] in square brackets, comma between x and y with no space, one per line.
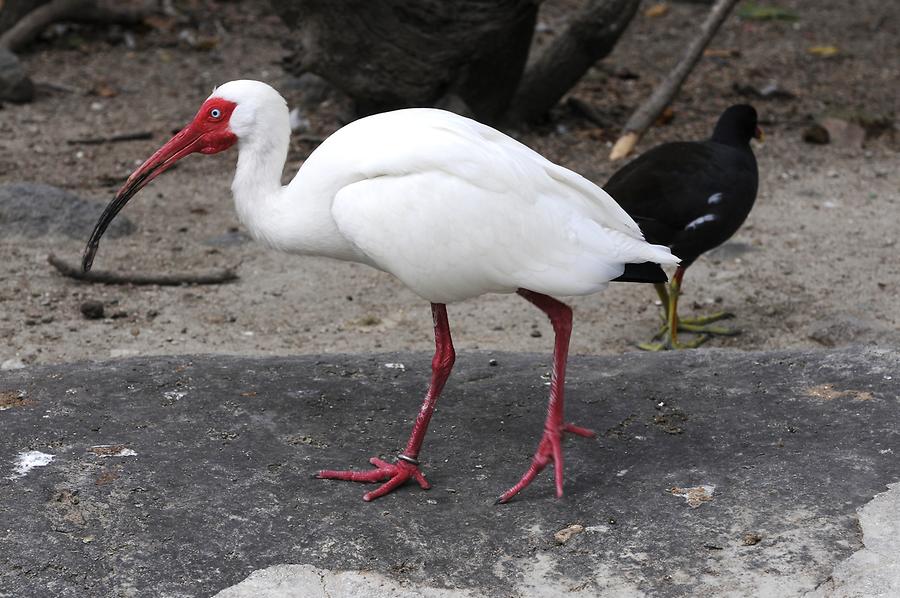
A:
[707,319]
[396,475]
[652,346]
[691,344]
[549,451]
[708,329]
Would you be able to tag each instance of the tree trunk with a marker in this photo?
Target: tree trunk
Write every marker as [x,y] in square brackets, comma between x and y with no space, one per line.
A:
[590,36]
[22,21]
[11,11]
[398,53]
[465,55]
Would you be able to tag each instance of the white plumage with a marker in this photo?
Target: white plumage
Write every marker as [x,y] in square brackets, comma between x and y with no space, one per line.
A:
[451,207]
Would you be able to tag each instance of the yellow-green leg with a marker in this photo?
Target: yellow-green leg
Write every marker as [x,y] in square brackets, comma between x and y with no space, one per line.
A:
[672,324]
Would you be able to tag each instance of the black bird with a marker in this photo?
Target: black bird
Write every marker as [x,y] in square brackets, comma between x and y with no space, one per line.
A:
[692,196]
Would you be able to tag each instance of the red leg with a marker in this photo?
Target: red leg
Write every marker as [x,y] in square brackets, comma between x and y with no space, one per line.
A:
[407,465]
[550,447]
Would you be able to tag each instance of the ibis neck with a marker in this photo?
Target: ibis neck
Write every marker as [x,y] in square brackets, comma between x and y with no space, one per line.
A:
[295,218]
[258,175]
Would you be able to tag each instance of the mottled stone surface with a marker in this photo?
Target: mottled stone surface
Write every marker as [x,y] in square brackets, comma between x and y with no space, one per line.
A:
[712,472]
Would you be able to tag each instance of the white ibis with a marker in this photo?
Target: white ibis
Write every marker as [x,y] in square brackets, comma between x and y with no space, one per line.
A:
[451,207]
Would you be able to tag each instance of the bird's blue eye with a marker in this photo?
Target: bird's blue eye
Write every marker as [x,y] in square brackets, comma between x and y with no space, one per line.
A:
[215,113]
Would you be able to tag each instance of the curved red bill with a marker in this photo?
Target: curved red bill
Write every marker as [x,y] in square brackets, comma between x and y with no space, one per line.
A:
[187,141]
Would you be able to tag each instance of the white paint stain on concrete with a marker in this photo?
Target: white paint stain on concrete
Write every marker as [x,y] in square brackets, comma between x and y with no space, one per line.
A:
[112,450]
[27,461]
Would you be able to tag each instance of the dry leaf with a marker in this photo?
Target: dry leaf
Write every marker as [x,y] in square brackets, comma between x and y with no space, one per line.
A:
[160,22]
[758,12]
[721,53]
[567,533]
[206,42]
[657,10]
[11,398]
[696,495]
[665,116]
[826,392]
[823,51]
[104,90]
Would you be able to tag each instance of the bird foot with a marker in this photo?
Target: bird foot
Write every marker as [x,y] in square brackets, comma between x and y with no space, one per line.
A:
[667,344]
[707,319]
[396,475]
[700,325]
[549,449]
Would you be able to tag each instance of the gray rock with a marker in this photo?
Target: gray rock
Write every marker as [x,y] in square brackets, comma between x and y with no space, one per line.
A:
[816,134]
[232,238]
[843,330]
[844,133]
[33,210]
[15,86]
[183,475]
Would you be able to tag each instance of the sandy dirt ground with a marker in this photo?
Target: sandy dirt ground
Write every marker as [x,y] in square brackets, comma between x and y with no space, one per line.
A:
[815,264]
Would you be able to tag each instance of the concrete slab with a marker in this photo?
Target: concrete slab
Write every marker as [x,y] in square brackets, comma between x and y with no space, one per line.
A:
[723,473]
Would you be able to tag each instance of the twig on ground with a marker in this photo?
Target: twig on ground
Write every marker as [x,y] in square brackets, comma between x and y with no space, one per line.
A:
[54,87]
[32,24]
[648,112]
[111,138]
[105,277]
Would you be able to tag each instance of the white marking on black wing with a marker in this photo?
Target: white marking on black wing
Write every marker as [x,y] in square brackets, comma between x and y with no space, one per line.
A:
[714,199]
[698,221]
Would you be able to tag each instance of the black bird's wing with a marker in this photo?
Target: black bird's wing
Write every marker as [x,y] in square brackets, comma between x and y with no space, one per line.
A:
[690,196]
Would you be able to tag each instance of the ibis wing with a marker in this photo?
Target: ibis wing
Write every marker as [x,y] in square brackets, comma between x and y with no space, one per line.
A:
[455,209]
[449,239]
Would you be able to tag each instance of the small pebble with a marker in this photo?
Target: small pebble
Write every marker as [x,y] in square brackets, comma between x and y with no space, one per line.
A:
[750,539]
[536,333]
[816,134]
[92,310]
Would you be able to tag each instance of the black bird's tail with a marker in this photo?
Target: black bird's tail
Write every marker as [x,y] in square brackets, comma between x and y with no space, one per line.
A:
[644,272]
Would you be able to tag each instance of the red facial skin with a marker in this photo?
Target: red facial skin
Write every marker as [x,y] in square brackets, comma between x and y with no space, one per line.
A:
[208,133]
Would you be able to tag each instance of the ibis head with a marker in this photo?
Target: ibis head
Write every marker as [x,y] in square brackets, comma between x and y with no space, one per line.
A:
[233,112]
